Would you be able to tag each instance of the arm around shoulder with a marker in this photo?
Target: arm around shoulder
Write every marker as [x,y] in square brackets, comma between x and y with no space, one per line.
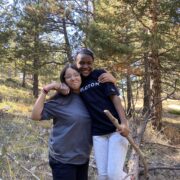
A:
[107,77]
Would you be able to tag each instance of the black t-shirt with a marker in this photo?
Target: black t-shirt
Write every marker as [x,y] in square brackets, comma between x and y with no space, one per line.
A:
[97,98]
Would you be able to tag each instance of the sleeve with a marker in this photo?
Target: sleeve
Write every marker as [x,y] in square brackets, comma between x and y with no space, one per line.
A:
[110,89]
[98,72]
[47,112]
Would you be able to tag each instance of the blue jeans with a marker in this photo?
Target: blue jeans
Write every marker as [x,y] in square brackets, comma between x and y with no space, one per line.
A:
[62,171]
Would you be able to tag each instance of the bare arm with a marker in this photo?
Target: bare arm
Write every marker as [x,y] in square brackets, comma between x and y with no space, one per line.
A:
[124,129]
[38,107]
[39,104]
[107,77]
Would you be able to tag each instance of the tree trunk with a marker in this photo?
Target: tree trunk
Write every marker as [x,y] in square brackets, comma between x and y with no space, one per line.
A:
[129,95]
[24,78]
[36,64]
[35,84]
[133,163]
[67,44]
[138,126]
[35,77]
[15,69]
[156,91]
[155,69]
[147,92]
[24,75]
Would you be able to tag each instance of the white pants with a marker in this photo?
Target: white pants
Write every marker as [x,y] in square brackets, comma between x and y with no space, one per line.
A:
[110,153]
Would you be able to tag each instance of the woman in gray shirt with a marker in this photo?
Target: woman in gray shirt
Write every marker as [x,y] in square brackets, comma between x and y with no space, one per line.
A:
[70,139]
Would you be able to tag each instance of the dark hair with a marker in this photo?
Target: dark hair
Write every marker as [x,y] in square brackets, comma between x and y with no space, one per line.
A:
[62,79]
[85,51]
[63,72]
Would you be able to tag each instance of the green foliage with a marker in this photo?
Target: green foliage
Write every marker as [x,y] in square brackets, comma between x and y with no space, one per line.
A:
[174,111]
[12,82]
[6,31]
[105,44]
[109,34]
[119,32]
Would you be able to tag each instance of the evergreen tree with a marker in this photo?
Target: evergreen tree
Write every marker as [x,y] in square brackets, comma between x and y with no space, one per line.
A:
[6,32]
[136,29]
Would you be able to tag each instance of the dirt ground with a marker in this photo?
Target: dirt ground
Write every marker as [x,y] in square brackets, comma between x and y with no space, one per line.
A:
[161,149]
[23,150]
[165,152]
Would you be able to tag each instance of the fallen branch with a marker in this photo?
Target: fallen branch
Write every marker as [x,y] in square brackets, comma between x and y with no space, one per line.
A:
[9,156]
[165,145]
[160,167]
[131,174]
[131,141]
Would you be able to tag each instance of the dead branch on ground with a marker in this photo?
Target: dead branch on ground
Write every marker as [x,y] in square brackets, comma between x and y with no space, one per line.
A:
[18,163]
[161,167]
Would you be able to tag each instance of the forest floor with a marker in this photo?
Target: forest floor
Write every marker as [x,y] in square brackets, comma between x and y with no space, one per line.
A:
[23,142]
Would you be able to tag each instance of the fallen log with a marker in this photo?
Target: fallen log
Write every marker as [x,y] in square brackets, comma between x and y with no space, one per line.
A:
[161,168]
[132,143]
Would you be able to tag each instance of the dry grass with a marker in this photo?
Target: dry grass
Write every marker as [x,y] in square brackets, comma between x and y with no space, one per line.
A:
[153,136]
[23,146]
[23,143]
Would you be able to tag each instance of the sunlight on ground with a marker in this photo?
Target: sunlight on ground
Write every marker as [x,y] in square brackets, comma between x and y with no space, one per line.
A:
[174,106]
[16,108]
[173,121]
[171,103]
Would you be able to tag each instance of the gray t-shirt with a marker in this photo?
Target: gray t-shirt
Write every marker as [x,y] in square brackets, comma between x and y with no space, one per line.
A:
[70,139]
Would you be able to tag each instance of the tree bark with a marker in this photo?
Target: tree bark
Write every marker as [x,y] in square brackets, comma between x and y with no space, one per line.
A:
[35,82]
[155,69]
[36,64]
[24,78]
[67,44]
[147,92]
[129,95]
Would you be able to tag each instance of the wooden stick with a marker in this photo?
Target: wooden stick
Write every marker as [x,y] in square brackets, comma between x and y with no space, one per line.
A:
[131,141]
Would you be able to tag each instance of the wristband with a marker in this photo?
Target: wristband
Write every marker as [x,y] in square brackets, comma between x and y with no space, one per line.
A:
[45,91]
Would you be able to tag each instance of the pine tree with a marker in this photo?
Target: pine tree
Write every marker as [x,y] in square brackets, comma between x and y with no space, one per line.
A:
[123,29]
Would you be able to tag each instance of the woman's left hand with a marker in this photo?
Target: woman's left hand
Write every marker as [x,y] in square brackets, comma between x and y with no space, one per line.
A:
[106,77]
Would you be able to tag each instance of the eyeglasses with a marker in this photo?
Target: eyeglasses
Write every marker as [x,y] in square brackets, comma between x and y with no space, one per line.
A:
[75,75]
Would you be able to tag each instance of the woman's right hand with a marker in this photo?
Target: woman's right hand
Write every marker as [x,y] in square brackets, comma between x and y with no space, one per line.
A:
[123,130]
[63,89]
[52,86]
[59,87]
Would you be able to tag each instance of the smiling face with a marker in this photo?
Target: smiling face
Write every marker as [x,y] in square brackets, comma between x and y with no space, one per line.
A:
[73,79]
[85,64]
